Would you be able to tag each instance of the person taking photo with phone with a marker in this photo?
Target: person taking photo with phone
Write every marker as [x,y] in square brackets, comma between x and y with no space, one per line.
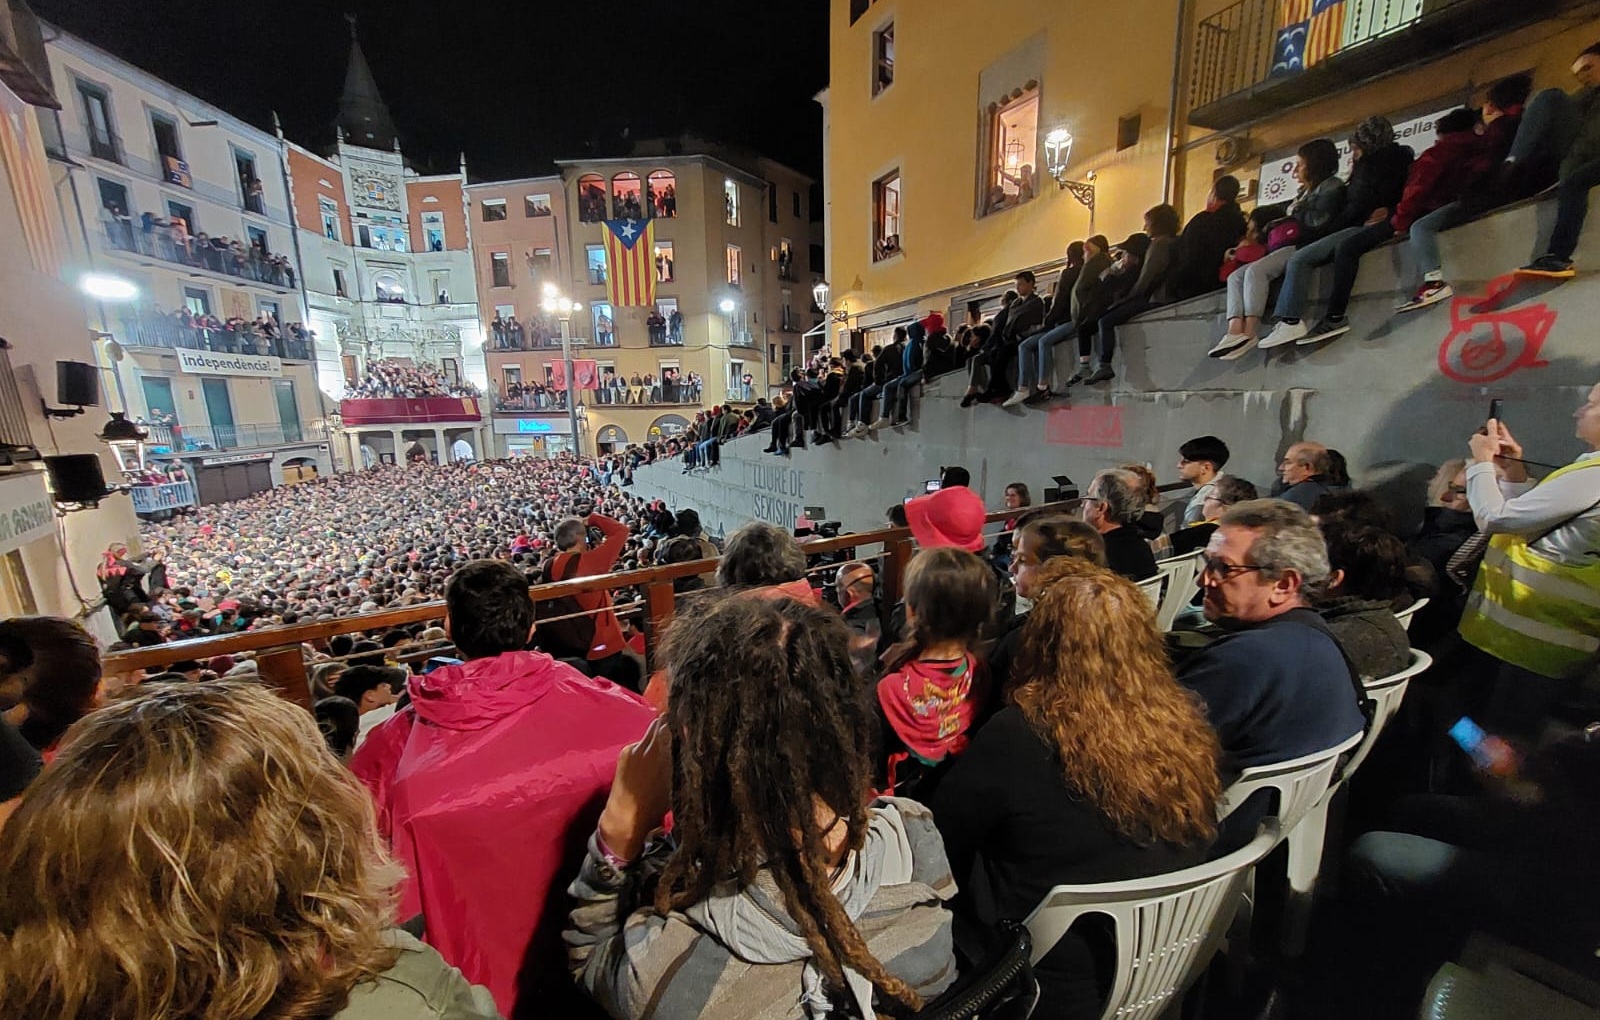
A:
[1535,600]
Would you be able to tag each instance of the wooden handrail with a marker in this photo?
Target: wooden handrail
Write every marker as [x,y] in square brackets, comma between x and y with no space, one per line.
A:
[278,648]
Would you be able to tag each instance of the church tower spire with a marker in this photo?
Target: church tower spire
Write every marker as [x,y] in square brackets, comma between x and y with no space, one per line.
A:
[363,117]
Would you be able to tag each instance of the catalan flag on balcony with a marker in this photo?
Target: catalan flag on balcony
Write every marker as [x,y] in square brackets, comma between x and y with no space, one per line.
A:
[1308,31]
[630,263]
[1326,32]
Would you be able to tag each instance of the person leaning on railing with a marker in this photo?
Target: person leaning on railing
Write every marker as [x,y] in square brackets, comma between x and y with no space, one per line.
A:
[1535,602]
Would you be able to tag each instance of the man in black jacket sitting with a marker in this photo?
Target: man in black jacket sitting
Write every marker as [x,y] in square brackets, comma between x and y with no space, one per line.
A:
[993,362]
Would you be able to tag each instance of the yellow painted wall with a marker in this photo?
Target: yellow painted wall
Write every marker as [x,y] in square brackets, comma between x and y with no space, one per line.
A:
[1101,62]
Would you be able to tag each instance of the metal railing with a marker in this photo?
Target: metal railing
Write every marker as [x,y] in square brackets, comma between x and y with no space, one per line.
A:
[641,395]
[14,431]
[174,439]
[155,499]
[646,595]
[1249,43]
[165,331]
[123,234]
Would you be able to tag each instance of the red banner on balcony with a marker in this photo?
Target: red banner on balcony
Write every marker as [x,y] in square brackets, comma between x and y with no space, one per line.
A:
[407,410]
[585,370]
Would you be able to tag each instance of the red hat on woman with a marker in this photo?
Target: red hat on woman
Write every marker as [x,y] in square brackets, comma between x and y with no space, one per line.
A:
[952,516]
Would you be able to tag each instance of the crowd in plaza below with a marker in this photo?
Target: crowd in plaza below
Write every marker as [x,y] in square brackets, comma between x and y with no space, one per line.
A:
[1019,719]
[394,378]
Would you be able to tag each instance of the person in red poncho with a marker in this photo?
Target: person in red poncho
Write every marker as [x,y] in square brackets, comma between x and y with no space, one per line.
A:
[487,784]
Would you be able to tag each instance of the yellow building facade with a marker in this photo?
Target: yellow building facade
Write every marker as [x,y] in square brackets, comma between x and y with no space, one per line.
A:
[937,136]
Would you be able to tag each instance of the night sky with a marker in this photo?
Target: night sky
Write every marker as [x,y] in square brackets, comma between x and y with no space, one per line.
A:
[514,83]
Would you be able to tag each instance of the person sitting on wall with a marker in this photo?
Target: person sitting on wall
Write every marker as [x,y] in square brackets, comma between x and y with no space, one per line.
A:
[1156,285]
[1207,238]
[1572,123]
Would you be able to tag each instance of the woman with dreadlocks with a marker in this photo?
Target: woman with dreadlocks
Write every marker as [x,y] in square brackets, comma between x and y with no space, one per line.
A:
[784,892]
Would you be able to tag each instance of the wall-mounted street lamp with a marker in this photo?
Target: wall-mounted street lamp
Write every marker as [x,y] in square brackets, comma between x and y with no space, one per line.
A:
[820,294]
[1058,154]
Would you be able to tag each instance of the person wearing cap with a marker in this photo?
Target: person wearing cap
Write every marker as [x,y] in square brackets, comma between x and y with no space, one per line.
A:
[1114,503]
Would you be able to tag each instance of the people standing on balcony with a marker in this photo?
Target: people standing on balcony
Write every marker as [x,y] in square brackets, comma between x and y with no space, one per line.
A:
[1490,184]
[514,333]
[1312,215]
[675,326]
[1573,124]
[656,325]
[497,328]
[1378,182]
[506,750]
[1207,238]
[1036,355]
[986,372]
[1155,286]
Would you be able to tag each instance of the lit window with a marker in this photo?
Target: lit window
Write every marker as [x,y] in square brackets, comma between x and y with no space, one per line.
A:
[338,283]
[494,209]
[596,261]
[883,58]
[735,276]
[433,230]
[605,334]
[665,270]
[591,198]
[730,200]
[1013,134]
[661,194]
[785,259]
[500,267]
[627,198]
[886,217]
[330,217]
[535,205]
[97,111]
[389,288]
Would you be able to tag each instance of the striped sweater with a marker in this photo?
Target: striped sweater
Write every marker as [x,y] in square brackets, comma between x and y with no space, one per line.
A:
[642,965]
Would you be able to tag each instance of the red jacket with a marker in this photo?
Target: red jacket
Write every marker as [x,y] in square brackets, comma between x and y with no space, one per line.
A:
[1437,177]
[592,563]
[486,787]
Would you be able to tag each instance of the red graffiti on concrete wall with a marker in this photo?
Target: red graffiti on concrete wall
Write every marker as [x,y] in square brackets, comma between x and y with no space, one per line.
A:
[1485,344]
[1084,426]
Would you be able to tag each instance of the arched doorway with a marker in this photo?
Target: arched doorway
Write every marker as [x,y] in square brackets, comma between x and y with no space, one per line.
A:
[299,469]
[667,426]
[610,439]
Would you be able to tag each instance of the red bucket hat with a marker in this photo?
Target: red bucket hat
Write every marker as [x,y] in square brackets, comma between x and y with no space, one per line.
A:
[952,516]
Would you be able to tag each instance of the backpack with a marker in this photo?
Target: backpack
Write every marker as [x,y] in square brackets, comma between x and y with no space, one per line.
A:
[563,639]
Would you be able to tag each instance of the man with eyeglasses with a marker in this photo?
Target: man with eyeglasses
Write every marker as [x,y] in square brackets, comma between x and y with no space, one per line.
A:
[1200,463]
[1114,502]
[1276,686]
[1304,471]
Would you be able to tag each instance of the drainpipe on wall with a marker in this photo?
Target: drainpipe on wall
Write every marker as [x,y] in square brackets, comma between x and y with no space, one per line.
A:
[1172,101]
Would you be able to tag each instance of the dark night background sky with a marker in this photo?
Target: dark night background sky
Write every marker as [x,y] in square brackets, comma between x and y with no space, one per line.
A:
[514,83]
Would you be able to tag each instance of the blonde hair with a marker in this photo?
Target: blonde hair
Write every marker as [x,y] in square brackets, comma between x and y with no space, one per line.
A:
[1442,478]
[193,851]
[1131,741]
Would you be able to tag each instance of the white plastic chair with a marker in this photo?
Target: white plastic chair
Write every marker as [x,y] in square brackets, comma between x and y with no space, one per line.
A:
[1152,588]
[1180,572]
[1387,692]
[1167,927]
[1405,615]
[1303,785]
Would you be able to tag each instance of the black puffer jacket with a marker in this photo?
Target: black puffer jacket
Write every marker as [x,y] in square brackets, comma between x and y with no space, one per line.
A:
[1377,182]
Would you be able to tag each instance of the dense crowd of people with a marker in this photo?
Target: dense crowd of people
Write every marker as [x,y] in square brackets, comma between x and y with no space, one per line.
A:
[171,239]
[396,377]
[202,331]
[959,757]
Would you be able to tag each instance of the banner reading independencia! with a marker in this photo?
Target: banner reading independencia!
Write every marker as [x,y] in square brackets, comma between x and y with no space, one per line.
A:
[212,363]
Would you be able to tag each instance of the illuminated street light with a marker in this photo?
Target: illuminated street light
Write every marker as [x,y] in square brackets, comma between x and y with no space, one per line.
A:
[727,306]
[104,287]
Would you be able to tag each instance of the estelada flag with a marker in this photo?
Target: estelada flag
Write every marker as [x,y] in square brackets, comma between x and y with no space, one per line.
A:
[630,261]
[585,370]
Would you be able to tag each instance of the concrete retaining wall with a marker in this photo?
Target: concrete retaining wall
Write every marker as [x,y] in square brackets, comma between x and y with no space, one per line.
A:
[1397,395]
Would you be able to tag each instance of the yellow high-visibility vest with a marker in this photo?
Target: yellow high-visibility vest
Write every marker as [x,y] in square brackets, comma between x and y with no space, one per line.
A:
[1531,611]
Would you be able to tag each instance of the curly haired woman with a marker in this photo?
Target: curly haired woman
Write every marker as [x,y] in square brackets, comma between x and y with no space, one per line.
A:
[1102,769]
[788,893]
[196,851]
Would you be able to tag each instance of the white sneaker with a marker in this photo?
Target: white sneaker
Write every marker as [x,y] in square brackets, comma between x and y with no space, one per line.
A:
[1285,333]
[1228,343]
[1430,293]
[1015,398]
[881,423]
[1238,351]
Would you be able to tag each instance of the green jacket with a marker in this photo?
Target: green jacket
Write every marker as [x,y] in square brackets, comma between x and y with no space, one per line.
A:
[420,986]
[1585,147]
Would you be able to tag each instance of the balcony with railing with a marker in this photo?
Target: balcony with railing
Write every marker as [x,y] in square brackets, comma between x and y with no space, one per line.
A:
[151,500]
[1251,61]
[155,330]
[177,440]
[129,237]
[409,410]
[16,439]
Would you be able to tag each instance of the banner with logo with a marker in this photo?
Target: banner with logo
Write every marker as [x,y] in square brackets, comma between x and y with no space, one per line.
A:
[211,363]
[1277,173]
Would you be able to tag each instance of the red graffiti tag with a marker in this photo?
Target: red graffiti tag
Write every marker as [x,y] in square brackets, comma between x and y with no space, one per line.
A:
[1485,344]
[1084,426]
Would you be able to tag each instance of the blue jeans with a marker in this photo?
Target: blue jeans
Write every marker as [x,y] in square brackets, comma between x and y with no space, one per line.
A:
[897,395]
[1296,289]
[1425,236]
[862,402]
[1036,356]
[1347,262]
